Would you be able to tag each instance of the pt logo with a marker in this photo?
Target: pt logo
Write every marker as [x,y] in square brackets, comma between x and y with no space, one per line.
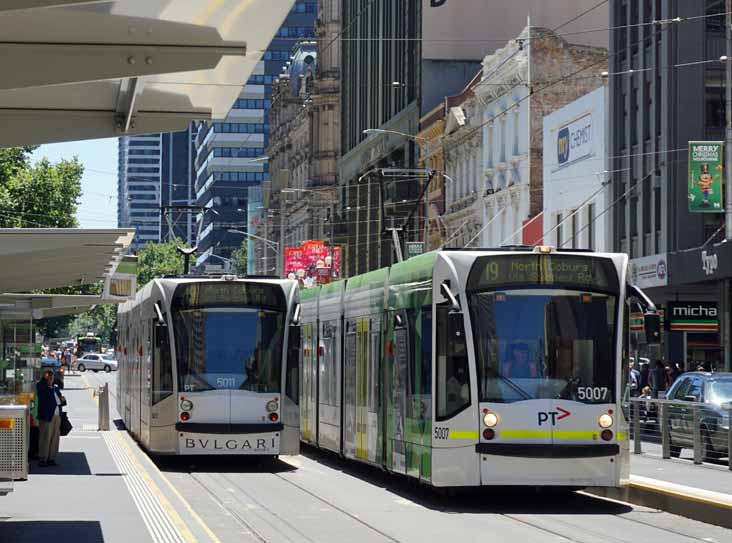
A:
[546,416]
[710,263]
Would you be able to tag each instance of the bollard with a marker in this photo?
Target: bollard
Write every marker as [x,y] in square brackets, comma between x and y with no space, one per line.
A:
[636,428]
[696,421]
[665,437]
[103,422]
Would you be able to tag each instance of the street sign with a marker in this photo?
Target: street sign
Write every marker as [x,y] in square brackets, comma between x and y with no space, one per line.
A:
[414,248]
[706,159]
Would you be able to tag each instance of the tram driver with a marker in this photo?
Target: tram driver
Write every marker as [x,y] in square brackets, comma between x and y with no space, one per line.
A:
[519,364]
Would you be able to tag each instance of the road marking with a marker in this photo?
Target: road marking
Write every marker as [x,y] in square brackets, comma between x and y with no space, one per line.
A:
[161,519]
[212,536]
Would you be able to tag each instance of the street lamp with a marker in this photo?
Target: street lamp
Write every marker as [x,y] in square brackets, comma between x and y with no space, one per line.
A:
[373,131]
[273,244]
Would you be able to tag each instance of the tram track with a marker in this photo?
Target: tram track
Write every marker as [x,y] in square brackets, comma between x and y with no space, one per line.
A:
[281,524]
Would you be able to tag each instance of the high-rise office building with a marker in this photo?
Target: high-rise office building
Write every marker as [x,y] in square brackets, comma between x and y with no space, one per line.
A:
[155,172]
[230,156]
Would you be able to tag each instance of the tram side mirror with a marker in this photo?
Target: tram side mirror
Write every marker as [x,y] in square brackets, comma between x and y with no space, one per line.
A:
[653,327]
[159,314]
[447,293]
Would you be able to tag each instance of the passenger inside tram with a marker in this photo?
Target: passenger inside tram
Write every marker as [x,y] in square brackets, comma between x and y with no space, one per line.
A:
[519,364]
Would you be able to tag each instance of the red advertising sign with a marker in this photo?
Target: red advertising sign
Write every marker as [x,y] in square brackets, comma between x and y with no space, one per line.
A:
[313,263]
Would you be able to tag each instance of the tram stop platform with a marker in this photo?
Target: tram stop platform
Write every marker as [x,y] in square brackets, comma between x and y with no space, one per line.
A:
[106,489]
[103,490]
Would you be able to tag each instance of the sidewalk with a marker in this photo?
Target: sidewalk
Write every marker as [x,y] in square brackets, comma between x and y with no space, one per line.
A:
[84,499]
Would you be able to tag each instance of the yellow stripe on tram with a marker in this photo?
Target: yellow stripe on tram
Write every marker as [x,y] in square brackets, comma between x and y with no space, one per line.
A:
[462,434]
[575,434]
[622,436]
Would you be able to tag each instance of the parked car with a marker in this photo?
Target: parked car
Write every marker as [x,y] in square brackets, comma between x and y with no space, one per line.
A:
[96,362]
[714,391]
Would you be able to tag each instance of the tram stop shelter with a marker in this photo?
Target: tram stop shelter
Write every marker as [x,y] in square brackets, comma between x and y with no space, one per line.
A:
[38,259]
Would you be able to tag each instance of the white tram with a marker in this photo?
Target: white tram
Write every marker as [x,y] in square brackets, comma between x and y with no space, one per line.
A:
[205,368]
[475,367]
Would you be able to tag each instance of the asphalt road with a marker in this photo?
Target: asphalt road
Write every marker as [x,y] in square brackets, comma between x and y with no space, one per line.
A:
[317,497]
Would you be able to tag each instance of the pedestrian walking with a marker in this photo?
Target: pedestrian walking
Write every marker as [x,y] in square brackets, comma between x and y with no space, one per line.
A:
[50,404]
[658,378]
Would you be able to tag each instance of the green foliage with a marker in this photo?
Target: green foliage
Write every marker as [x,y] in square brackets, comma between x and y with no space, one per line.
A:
[239,259]
[158,259]
[42,194]
[100,320]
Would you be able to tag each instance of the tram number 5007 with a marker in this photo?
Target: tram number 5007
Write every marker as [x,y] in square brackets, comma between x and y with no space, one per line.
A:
[592,393]
[441,433]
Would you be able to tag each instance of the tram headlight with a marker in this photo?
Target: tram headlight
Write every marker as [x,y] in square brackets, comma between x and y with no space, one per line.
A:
[490,419]
[186,405]
[272,406]
[605,421]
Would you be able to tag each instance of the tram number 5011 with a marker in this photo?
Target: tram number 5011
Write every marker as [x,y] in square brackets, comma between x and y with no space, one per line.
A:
[592,393]
[441,433]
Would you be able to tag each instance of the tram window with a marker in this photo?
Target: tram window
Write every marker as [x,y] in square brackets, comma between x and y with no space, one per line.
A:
[453,385]
[419,327]
[293,364]
[162,365]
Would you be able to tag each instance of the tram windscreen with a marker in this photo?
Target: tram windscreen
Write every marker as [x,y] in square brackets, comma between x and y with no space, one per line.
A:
[551,344]
[535,339]
[229,336]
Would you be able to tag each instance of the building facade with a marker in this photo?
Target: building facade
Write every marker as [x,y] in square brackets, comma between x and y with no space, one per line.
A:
[305,144]
[155,171]
[656,108]
[512,187]
[399,62]
[576,183]
[230,153]
[463,150]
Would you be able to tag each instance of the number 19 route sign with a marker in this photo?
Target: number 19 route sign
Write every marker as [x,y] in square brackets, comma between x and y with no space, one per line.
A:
[706,174]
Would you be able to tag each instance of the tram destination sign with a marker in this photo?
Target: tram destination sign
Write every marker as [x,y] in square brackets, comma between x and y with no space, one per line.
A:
[492,272]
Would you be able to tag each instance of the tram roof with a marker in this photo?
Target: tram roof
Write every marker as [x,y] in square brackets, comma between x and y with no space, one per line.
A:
[81,69]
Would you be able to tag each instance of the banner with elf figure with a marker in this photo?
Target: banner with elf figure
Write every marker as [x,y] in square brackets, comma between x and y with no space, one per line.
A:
[706,176]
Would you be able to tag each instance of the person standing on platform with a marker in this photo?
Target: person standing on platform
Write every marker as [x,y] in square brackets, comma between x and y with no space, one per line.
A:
[50,402]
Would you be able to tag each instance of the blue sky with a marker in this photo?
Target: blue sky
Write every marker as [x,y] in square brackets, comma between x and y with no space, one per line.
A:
[98,207]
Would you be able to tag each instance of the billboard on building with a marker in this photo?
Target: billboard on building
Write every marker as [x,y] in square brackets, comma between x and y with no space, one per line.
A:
[706,159]
[307,262]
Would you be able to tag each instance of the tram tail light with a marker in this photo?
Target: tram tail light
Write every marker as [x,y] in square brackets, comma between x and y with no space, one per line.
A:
[184,416]
[274,417]
[489,433]
[606,435]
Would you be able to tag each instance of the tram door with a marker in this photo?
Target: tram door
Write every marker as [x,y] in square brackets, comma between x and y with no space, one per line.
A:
[309,383]
[366,388]
[350,364]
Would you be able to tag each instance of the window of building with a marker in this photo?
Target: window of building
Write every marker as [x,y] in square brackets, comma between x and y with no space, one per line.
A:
[714,99]
[490,143]
[591,227]
[559,227]
[503,143]
[573,221]
[516,129]
[715,25]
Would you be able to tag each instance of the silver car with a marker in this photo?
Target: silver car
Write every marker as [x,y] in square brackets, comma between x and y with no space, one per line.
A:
[96,362]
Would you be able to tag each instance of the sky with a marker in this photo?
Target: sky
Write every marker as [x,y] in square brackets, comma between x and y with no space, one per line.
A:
[98,207]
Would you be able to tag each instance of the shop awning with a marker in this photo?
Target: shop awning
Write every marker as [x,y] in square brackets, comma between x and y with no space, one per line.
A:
[78,70]
[42,306]
[44,258]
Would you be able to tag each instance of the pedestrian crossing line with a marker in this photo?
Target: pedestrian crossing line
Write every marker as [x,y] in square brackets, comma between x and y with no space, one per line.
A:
[162,521]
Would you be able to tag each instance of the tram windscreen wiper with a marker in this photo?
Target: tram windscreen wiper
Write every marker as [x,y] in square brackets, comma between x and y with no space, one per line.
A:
[514,386]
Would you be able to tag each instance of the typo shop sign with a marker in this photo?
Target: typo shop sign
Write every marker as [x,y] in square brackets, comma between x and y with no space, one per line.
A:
[711,263]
